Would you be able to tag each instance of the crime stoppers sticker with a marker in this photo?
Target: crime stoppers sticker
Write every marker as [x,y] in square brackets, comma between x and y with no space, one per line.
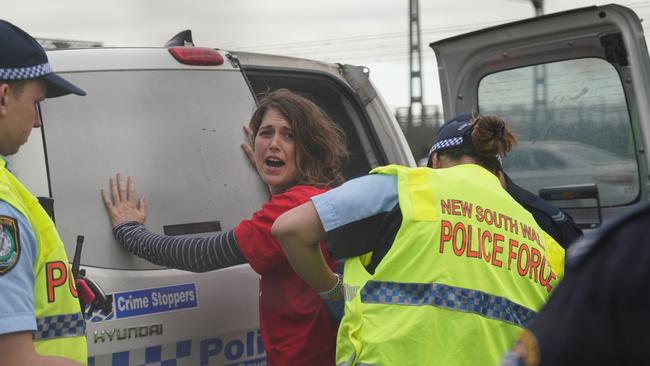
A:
[9,244]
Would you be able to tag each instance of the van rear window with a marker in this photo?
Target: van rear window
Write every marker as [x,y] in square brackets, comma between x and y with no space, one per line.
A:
[573,126]
[177,131]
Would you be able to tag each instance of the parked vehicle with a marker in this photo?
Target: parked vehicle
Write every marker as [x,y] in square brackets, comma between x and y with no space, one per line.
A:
[551,163]
[176,124]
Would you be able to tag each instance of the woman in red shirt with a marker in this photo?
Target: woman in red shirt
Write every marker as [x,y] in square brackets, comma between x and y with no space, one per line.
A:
[298,152]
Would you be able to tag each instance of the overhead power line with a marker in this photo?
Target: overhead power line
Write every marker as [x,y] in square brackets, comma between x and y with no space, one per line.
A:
[381,47]
[367,37]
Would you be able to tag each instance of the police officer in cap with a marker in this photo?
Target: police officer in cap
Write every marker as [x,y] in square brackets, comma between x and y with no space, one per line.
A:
[40,318]
[551,219]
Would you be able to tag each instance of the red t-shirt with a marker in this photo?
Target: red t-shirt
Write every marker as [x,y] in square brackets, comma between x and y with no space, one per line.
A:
[297,327]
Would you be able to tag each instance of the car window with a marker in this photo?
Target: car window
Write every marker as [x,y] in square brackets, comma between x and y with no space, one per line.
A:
[572,121]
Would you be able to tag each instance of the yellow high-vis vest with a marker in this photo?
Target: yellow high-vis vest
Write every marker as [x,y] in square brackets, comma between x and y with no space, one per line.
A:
[60,323]
[468,268]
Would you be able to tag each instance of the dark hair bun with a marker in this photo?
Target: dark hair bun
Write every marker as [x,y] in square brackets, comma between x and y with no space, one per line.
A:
[491,136]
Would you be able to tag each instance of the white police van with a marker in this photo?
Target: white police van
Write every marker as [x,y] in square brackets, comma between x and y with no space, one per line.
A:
[173,118]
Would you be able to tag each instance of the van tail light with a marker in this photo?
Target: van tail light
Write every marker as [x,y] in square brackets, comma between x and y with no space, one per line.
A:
[202,56]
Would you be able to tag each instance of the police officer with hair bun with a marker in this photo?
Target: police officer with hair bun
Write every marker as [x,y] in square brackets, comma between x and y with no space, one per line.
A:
[551,219]
[442,265]
[40,318]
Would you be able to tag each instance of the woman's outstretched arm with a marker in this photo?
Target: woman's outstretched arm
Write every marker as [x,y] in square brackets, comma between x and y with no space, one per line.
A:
[189,254]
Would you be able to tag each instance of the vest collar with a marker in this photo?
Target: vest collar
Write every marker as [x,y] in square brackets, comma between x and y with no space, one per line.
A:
[478,170]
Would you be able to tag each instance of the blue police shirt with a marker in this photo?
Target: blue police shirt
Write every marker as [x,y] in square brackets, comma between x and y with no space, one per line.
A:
[17,283]
[360,216]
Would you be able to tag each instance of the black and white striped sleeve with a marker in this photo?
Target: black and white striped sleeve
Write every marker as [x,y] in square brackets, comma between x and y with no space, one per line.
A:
[186,253]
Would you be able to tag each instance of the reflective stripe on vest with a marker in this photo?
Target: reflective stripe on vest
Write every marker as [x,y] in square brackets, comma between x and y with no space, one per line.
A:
[448,297]
[59,326]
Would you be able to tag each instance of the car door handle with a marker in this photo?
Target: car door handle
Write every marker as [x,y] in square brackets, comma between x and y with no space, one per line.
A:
[192,228]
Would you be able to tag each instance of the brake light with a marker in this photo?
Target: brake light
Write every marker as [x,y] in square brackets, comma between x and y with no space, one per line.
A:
[196,56]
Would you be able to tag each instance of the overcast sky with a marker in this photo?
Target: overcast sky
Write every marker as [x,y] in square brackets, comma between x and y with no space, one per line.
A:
[373,33]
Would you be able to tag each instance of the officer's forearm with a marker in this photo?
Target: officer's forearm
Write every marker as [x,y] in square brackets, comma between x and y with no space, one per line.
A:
[299,231]
[18,350]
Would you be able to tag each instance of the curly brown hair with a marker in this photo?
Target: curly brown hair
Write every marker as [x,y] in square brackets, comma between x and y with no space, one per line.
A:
[320,144]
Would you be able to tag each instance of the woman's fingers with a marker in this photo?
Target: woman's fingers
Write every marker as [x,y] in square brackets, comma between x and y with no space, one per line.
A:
[107,201]
[249,133]
[124,205]
[143,206]
[114,194]
[130,182]
[121,187]
[249,153]
[247,147]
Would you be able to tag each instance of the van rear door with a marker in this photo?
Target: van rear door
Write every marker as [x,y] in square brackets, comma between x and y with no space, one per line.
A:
[574,87]
[177,129]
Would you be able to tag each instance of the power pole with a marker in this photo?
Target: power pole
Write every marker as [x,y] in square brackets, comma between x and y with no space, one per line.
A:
[540,87]
[415,59]
[539,7]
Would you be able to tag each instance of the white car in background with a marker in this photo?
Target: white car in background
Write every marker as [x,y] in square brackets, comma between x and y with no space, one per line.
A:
[543,164]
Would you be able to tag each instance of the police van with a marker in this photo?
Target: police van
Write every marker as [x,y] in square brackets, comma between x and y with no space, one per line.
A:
[574,86]
[173,117]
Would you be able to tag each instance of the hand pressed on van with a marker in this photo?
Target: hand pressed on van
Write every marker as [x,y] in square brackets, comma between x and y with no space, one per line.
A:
[123,206]
[248,146]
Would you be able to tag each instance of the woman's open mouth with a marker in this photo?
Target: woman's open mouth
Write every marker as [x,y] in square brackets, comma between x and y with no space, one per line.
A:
[274,163]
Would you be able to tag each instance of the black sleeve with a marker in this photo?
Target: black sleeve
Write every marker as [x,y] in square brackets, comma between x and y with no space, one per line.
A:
[569,232]
[190,254]
[598,315]
[550,218]
[373,234]
[565,231]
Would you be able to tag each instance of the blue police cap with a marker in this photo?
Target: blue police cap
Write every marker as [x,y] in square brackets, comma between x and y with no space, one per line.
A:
[22,58]
[453,134]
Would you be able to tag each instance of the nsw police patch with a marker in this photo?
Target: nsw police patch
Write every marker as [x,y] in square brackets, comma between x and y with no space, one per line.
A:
[9,244]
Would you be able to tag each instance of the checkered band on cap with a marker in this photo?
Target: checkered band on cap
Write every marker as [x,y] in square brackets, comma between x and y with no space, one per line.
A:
[58,326]
[443,144]
[447,297]
[23,73]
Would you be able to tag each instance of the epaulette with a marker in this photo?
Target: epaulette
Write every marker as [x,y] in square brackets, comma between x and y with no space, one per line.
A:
[580,250]
[553,212]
